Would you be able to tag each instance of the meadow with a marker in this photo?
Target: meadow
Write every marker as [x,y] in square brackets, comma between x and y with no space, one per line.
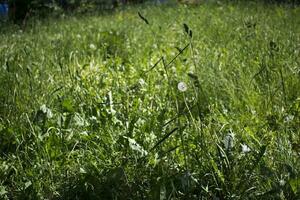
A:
[153,102]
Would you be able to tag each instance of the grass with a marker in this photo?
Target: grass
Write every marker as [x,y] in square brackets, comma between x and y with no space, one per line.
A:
[90,107]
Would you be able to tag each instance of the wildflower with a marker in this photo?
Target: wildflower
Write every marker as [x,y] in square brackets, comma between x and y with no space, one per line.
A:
[229,141]
[245,148]
[182,86]
[92,46]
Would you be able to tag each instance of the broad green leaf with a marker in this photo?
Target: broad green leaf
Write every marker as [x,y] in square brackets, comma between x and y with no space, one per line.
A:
[67,105]
[295,185]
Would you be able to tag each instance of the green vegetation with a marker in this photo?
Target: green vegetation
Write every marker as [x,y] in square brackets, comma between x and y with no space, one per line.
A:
[90,106]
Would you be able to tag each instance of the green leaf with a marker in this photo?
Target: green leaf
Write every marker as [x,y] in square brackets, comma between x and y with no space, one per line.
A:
[295,185]
[28,184]
[2,190]
[217,171]
[67,106]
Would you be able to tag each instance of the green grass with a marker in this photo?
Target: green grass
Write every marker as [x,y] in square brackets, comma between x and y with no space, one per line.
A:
[86,114]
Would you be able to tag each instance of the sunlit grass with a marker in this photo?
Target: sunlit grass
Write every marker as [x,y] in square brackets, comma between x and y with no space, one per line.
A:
[124,106]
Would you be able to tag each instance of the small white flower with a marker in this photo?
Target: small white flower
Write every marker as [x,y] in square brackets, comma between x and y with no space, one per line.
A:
[78,36]
[245,148]
[92,46]
[182,86]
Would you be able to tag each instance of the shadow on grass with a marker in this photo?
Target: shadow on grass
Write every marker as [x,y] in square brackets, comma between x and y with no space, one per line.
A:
[91,184]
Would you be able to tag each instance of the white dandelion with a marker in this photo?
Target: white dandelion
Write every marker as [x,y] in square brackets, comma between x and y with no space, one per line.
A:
[92,46]
[182,86]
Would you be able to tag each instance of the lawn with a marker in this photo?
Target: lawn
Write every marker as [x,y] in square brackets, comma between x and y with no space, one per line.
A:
[153,102]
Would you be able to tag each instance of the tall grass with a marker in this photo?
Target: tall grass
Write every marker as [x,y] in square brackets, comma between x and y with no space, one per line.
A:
[90,106]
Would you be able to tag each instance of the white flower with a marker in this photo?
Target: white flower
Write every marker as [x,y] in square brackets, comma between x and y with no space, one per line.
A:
[78,36]
[229,141]
[92,46]
[182,86]
[245,148]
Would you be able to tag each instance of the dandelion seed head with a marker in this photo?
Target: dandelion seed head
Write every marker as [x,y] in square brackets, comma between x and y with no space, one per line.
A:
[182,86]
[92,46]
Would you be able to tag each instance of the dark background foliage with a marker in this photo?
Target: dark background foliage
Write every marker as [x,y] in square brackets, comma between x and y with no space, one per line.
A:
[21,9]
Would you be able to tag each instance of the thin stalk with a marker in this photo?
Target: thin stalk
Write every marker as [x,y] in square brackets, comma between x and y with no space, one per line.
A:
[178,113]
